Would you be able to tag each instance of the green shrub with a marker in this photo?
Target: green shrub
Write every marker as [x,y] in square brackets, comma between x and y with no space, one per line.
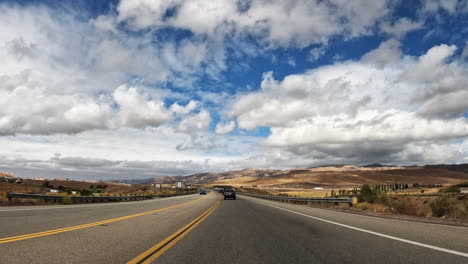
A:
[410,206]
[372,195]
[451,189]
[85,192]
[46,184]
[66,200]
[463,184]
[382,198]
[363,206]
[449,206]
[367,194]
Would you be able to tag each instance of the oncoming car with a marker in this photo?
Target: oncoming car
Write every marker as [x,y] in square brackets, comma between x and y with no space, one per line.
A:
[229,193]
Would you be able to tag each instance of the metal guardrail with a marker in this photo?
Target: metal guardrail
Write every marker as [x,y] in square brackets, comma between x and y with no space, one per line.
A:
[56,198]
[351,200]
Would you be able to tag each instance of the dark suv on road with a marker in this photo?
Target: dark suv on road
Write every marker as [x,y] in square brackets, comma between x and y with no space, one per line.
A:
[229,193]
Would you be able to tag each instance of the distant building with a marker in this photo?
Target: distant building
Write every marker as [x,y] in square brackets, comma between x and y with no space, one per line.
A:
[222,187]
[180,185]
[54,191]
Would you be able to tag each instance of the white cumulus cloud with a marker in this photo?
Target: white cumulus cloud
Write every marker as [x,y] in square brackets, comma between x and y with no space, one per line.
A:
[275,23]
[138,109]
[196,122]
[382,101]
[224,128]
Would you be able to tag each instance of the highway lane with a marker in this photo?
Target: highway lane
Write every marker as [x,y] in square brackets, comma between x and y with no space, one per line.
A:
[29,219]
[247,230]
[250,230]
[116,242]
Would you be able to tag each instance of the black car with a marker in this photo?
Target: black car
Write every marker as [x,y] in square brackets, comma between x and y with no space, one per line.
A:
[229,193]
[202,192]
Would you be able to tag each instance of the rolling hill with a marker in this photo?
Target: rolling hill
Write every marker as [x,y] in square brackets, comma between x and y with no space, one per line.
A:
[329,175]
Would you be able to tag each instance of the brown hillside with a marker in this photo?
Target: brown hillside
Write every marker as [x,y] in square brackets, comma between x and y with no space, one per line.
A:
[38,186]
[327,175]
[212,176]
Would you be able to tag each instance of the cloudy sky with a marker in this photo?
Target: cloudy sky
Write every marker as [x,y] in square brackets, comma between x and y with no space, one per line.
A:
[145,88]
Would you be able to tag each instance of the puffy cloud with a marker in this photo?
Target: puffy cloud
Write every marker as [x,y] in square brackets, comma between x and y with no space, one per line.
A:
[59,72]
[138,109]
[434,61]
[20,49]
[450,6]
[197,122]
[325,112]
[388,52]
[94,79]
[27,107]
[446,105]
[368,126]
[327,90]
[74,54]
[183,110]
[465,50]
[276,23]
[87,115]
[224,128]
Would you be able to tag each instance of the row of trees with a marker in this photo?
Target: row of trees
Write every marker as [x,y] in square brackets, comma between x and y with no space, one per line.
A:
[69,190]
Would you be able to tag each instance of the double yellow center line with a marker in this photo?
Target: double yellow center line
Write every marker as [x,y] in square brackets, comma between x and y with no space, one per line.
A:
[66,229]
[157,250]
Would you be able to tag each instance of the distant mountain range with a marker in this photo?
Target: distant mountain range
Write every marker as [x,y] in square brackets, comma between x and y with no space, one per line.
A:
[213,176]
[377,165]
[336,174]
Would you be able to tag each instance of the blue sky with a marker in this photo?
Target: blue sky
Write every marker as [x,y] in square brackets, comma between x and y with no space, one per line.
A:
[138,89]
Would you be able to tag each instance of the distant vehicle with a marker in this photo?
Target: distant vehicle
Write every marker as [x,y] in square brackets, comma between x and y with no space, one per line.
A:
[229,193]
[202,192]
[221,190]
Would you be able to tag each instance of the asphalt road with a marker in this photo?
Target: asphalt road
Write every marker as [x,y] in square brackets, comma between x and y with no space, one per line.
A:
[246,230]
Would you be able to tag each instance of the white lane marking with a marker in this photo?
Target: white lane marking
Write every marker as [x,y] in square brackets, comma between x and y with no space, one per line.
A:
[454,252]
[85,206]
